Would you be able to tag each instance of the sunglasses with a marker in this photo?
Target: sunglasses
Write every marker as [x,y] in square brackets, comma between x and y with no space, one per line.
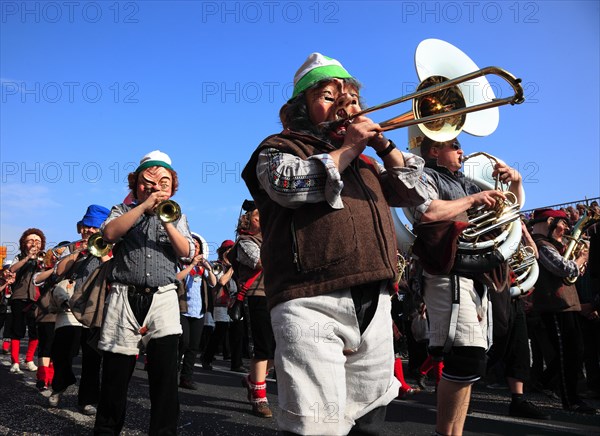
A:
[455,145]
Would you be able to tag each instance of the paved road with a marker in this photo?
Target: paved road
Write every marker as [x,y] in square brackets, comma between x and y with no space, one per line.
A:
[219,407]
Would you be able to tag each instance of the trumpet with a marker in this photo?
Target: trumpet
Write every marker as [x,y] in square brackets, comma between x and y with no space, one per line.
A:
[217,267]
[168,211]
[97,246]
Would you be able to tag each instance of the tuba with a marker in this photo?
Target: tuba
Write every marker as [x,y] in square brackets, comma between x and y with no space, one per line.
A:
[522,261]
[498,227]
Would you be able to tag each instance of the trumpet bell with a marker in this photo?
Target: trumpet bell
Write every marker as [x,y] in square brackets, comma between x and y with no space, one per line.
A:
[97,246]
[435,57]
[168,211]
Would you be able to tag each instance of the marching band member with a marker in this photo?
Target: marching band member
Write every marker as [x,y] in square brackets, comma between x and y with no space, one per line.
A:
[329,253]
[245,257]
[70,335]
[23,294]
[142,305]
[462,343]
[223,292]
[558,304]
[197,277]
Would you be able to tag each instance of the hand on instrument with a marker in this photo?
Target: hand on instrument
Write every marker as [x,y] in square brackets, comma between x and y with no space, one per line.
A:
[363,131]
[506,173]
[153,200]
[487,198]
[197,259]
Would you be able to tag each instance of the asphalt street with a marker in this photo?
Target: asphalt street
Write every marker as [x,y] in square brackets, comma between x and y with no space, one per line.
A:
[219,407]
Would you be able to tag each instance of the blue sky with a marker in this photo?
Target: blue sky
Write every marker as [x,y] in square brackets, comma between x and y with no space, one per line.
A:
[88,88]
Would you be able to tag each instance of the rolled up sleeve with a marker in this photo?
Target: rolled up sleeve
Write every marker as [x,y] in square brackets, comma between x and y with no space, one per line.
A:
[405,186]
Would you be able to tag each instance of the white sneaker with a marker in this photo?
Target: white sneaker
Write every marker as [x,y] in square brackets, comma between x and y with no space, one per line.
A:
[54,398]
[31,366]
[15,369]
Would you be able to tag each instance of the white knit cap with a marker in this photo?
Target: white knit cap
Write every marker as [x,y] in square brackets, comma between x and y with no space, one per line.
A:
[155,158]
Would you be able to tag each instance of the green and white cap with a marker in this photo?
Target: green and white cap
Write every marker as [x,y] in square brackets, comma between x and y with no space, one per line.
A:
[316,68]
[155,158]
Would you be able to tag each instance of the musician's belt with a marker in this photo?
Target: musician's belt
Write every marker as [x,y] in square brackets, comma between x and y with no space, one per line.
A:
[146,290]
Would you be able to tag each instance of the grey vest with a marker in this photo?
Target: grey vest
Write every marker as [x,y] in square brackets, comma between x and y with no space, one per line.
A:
[451,186]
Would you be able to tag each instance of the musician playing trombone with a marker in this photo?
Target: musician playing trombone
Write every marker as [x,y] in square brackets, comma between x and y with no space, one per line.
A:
[329,252]
[458,326]
[142,306]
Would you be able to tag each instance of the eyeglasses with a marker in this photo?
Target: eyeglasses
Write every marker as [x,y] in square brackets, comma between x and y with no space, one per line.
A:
[454,145]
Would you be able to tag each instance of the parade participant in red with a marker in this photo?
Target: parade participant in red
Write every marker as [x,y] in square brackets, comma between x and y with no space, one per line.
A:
[24,293]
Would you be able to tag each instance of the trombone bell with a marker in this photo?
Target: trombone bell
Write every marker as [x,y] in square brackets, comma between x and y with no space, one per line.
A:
[440,102]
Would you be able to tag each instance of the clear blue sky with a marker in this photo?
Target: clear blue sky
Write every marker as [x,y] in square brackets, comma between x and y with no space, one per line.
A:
[88,88]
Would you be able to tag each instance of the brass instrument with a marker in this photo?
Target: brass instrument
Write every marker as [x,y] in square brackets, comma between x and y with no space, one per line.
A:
[503,217]
[97,246]
[525,267]
[71,246]
[400,266]
[168,211]
[217,268]
[439,105]
[577,244]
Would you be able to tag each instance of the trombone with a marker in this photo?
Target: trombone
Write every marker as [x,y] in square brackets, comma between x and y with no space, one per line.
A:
[439,106]
[439,98]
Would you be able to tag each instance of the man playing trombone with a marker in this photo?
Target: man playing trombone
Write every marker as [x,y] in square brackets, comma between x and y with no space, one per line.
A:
[142,305]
